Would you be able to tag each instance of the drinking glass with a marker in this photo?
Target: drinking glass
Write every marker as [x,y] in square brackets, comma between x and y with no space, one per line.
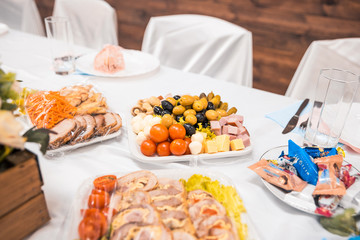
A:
[59,33]
[335,92]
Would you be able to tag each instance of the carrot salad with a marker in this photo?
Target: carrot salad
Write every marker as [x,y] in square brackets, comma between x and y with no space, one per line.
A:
[47,108]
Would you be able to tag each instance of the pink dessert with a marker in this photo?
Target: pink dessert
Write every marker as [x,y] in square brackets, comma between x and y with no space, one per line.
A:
[110,59]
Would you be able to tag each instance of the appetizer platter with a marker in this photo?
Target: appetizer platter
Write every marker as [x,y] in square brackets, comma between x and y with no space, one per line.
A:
[77,116]
[186,128]
[314,180]
[164,204]
[115,61]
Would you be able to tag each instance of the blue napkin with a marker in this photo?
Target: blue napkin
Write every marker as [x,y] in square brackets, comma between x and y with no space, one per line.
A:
[78,72]
[283,116]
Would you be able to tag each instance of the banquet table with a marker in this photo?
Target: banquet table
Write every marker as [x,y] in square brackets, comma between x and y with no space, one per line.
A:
[29,56]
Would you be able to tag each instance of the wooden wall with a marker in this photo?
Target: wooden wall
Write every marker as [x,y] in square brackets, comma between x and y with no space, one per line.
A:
[282,29]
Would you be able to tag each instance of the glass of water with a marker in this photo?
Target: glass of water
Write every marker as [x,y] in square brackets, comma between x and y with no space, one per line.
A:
[335,92]
[59,33]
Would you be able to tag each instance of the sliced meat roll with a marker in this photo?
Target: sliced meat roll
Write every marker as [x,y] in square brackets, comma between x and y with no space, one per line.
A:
[99,125]
[118,123]
[139,180]
[63,134]
[140,232]
[206,208]
[196,196]
[167,203]
[110,122]
[132,198]
[220,226]
[142,214]
[177,219]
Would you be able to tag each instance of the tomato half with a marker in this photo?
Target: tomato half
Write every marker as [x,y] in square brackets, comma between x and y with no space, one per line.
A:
[93,225]
[163,149]
[177,131]
[106,183]
[178,147]
[98,199]
[187,141]
[159,133]
[148,148]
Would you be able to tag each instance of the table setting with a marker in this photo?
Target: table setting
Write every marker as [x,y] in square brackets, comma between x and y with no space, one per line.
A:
[135,148]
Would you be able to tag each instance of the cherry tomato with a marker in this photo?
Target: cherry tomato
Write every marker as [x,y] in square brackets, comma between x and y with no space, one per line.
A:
[163,149]
[93,225]
[177,131]
[159,133]
[106,183]
[148,148]
[187,141]
[98,199]
[178,147]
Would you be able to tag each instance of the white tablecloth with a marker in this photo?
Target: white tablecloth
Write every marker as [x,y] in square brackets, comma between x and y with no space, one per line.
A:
[62,176]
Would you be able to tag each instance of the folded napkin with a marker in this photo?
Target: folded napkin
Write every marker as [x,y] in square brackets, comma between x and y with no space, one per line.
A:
[348,136]
[3,28]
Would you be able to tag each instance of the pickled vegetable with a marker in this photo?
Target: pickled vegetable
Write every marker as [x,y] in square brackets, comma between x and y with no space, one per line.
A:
[224,106]
[210,96]
[232,110]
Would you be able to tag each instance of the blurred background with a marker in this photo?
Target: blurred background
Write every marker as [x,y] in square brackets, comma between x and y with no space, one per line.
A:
[282,30]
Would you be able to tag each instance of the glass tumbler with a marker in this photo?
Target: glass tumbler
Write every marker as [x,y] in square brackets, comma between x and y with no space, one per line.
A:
[334,95]
[59,33]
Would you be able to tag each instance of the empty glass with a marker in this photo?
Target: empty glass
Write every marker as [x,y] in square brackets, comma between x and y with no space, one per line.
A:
[59,33]
[335,92]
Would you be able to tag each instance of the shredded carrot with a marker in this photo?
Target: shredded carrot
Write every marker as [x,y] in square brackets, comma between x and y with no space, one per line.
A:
[47,108]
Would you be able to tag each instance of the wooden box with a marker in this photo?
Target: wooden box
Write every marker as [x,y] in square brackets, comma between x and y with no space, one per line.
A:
[22,205]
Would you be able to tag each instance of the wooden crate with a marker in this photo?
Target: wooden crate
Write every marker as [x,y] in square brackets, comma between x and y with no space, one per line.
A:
[22,206]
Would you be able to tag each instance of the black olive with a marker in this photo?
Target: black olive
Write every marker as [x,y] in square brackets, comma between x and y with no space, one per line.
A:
[158,110]
[210,106]
[165,112]
[205,124]
[203,111]
[176,97]
[177,118]
[167,105]
[190,129]
[200,117]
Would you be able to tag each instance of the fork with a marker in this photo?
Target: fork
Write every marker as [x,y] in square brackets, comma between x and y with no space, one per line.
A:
[303,125]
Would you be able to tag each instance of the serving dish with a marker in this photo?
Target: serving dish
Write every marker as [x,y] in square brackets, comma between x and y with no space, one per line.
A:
[303,200]
[70,225]
[136,63]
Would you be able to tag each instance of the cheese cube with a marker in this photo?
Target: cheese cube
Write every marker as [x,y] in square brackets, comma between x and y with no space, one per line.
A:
[237,145]
[245,138]
[223,143]
[210,146]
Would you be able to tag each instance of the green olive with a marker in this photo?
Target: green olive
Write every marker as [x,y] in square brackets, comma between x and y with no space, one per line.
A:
[198,106]
[167,120]
[196,97]
[178,110]
[216,100]
[191,119]
[171,100]
[221,112]
[189,111]
[224,106]
[210,96]
[231,111]
[212,115]
[186,100]
[204,102]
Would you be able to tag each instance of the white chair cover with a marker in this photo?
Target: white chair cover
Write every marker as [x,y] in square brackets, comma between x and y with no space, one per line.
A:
[93,22]
[22,15]
[339,53]
[201,44]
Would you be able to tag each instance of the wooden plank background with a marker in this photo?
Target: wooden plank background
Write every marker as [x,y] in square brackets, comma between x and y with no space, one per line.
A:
[282,29]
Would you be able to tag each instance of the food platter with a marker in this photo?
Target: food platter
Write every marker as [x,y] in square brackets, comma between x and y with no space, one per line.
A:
[135,150]
[136,63]
[303,200]
[70,224]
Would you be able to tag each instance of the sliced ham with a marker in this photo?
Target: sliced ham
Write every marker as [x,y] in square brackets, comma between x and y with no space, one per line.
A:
[109,60]
[63,134]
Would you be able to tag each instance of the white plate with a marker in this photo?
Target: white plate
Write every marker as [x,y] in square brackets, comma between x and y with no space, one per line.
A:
[135,150]
[303,200]
[136,63]
[70,224]
[3,28]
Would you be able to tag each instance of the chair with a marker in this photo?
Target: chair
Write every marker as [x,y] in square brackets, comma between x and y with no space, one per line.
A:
[93,22]
[201,44]
[22,15]
[338,53]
